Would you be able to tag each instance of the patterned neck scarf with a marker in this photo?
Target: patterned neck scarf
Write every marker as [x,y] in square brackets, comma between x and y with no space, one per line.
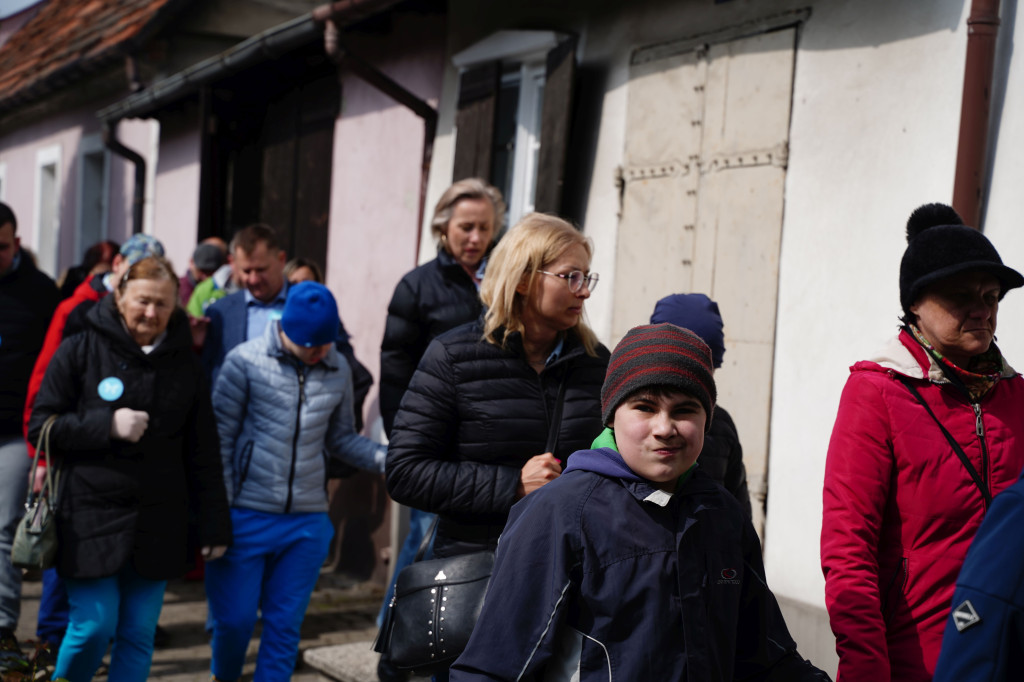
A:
[982,372]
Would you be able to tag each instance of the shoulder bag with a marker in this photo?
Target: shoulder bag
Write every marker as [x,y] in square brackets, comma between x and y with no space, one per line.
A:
[35,540]
[437,602]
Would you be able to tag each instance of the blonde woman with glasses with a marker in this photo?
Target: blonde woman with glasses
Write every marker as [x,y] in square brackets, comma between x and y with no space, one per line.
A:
[497,406]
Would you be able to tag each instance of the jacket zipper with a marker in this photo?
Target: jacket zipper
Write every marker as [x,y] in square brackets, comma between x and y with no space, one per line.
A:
[295,438]
[979,428]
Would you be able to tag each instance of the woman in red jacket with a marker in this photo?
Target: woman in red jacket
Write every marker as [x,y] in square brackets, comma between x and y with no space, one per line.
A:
[927,432]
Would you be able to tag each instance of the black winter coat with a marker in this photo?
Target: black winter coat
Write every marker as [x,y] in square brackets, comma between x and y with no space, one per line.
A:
[472,417]
[722,458]
[430,300]
[122,501]
[27,301]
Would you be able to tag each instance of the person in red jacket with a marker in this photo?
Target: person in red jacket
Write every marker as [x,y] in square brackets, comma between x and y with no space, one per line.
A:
[928,431]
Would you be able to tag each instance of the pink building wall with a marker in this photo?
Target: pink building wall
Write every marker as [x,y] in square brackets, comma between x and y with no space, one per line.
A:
[378,145]
[176,192]
[19,153]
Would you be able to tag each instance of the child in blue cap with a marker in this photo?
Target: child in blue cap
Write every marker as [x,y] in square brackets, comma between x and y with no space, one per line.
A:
[283,404]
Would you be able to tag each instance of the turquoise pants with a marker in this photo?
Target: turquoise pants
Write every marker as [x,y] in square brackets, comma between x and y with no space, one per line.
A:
[123,608]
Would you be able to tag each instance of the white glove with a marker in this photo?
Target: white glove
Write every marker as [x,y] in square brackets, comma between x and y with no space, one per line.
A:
[128,424]
[213,553]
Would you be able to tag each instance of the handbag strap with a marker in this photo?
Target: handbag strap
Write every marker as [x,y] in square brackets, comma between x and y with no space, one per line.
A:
[978,481]
[49,487]
[556,418]
[427,537]
[556,422]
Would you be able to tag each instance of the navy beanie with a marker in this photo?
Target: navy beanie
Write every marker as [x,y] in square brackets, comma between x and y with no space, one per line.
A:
[310,315]
[699,314]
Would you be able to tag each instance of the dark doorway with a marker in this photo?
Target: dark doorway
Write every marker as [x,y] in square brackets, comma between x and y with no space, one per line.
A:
[268,146]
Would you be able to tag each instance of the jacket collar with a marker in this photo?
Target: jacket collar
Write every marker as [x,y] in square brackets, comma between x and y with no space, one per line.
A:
[276,349]
[904,354]
[106,319]
[571,346]
[608,462]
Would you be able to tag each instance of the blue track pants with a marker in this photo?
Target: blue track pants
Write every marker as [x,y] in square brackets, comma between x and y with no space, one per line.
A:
[272,565]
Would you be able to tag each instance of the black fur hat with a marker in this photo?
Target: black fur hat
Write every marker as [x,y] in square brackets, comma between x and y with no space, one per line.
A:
[940,245]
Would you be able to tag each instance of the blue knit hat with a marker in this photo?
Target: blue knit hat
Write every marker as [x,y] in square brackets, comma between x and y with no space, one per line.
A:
[310,316]
[141,246]
[699,314]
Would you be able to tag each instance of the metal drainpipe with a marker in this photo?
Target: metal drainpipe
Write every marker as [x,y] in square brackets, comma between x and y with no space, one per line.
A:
[110,140]
[982,31]
[115,145]
[391,88]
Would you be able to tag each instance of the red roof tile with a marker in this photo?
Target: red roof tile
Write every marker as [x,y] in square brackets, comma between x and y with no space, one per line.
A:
[68,38]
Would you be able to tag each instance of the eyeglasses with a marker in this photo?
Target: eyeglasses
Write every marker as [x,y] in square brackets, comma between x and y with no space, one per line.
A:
[576,279]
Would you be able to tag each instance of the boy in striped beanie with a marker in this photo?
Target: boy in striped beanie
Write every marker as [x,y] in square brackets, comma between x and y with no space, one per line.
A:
[634,560]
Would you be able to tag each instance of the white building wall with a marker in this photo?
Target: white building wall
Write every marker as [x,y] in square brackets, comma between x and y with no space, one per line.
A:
[874,133]
[868,143]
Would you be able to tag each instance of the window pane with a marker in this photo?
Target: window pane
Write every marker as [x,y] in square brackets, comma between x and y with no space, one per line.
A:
[504,141]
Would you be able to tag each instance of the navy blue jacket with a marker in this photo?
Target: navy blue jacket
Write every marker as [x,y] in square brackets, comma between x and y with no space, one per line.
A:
[988,603]
[228,327]
[600,574]
[430,300]
[27,301]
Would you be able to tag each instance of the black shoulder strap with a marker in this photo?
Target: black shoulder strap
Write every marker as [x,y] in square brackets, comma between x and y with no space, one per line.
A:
[986,495]
[556,418]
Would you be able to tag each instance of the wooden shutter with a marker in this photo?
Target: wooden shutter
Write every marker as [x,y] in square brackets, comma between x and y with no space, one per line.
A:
[554,127]
[474,121]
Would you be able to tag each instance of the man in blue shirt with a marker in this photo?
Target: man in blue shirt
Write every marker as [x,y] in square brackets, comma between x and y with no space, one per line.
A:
[259,261]
[241,316]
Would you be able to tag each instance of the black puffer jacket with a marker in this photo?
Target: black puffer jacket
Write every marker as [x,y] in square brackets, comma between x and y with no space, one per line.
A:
[27,301]
[472,417]
[722,458]
[124,501]
[430,300]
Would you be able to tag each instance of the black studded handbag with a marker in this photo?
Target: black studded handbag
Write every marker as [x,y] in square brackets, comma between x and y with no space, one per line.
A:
[434,608]
[437,602]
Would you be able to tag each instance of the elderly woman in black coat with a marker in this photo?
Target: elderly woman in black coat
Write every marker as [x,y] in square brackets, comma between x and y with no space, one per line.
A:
[137,441]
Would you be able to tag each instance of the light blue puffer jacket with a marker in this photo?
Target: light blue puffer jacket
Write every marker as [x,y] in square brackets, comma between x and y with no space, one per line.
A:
[278,421]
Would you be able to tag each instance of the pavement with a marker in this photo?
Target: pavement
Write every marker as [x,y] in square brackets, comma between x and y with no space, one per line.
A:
[336,635]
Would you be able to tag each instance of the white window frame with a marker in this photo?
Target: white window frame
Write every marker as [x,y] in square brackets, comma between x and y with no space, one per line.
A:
[47,156]
[529,50]
[90,145]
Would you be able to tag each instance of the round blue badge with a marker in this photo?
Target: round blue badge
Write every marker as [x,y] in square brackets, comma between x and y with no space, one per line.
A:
[111,388]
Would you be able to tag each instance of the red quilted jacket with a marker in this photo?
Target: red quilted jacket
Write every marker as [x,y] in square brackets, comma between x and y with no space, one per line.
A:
[54,335]
[900,509]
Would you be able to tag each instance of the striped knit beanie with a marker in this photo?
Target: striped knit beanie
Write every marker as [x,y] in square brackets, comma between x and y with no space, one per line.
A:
[659,355]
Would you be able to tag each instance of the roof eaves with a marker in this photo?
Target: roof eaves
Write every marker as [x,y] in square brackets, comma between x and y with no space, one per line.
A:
[70,72]
[269,44]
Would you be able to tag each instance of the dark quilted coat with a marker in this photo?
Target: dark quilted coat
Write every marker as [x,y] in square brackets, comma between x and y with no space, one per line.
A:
[473,415]
[124,501]
[722,458]
[430,300]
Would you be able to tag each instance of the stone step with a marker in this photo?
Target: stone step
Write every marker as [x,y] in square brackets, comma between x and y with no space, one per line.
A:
[352,662]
